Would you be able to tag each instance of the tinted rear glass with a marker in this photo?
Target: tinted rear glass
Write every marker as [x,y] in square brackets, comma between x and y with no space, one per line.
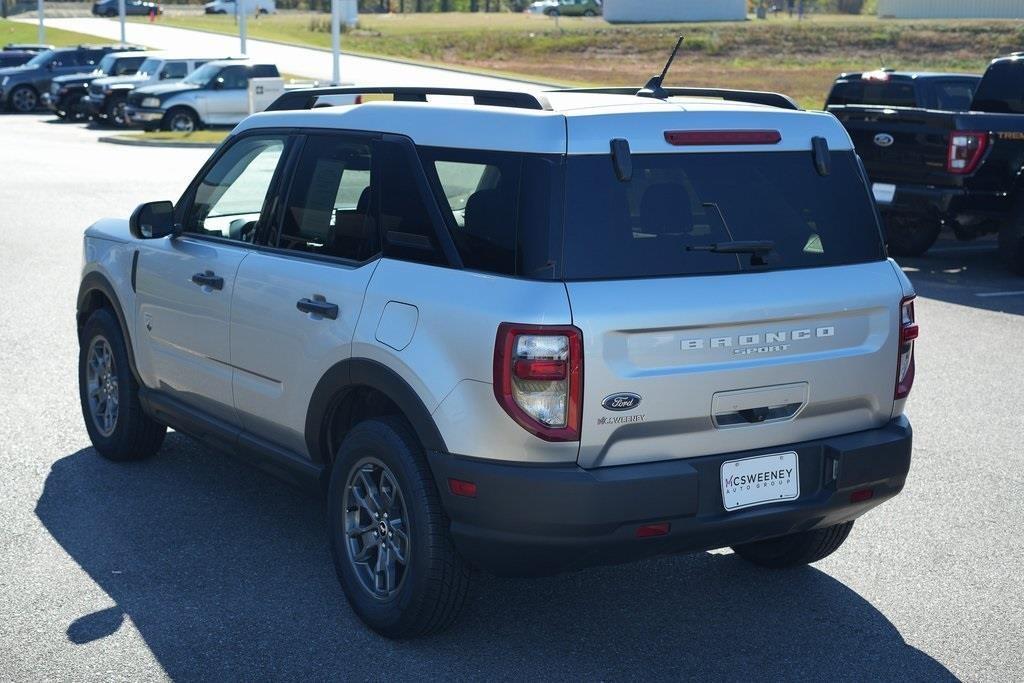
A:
[1002,89]
[643,227]
[892,93]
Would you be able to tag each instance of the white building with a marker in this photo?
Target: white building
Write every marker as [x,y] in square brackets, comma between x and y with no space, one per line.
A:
[951,9]
[635,11]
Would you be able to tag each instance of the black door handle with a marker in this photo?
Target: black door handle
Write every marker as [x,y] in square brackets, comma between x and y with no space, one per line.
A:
[208,279]
[318,305]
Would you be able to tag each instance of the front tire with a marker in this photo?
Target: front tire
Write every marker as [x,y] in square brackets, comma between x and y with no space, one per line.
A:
[118,427]
[114,111]
[389,535]
[181,120]
[795,550]
[24,99]
[911,236]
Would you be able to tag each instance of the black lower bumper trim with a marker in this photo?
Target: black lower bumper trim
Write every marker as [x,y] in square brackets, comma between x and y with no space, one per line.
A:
[528,520]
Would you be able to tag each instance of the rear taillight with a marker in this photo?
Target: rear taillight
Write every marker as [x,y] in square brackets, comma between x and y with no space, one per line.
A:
[538,378]
[965,151]
[908,333]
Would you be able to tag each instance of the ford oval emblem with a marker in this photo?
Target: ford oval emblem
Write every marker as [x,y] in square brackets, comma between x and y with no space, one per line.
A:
[884,140]
[619,402]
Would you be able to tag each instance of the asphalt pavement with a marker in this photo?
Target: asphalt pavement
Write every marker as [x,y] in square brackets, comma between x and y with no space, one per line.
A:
[194,566]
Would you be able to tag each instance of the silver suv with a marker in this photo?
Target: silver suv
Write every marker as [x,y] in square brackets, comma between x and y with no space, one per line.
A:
[527,332]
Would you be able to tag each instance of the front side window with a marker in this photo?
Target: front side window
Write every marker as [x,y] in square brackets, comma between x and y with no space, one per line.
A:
[64,59]
[331,209]
[234,78]
[174,70]
[229,200]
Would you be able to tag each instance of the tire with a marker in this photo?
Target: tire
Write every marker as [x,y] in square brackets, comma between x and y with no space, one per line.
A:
[426,594]
[908,236]
[552,13]
[795,550]
[124,432]
[76,110]
[181,119]
[1011,242]
[114,111]
[23,99]
[589,13]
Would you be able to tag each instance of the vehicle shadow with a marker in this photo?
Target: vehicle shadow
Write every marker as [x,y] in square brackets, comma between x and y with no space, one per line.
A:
[968,274]
[225,573]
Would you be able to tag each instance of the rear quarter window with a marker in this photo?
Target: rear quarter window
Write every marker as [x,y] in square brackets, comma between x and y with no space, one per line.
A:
[676,204]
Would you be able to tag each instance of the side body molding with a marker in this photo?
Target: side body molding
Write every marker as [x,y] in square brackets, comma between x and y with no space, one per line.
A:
[361,372]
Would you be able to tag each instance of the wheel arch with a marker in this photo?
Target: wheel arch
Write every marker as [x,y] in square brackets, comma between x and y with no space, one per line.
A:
[351,380]
[95,293]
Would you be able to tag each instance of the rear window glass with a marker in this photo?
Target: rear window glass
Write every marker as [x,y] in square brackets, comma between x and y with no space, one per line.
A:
[648,226]
[890,93]
[1001,90]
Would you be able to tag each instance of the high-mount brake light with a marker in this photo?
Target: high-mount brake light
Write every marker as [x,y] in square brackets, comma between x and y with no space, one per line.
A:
[908,332]
[966,148]
[880,75]
[538,378]
[692,138]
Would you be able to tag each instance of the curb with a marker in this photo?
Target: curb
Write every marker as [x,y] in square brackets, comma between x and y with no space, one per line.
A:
[133,142]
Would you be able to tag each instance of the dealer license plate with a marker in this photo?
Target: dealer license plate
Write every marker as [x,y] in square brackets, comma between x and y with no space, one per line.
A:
[760,480]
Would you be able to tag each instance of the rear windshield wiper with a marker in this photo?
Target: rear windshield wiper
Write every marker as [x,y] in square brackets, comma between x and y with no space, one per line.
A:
[737,247]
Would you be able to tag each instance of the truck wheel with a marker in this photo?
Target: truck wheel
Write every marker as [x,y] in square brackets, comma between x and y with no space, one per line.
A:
[114,111]
[796,549]
[24,99]
[908,236]
[589,13]
[117,425]
[1011,243]
[389,536]
[180,119]
[76,110]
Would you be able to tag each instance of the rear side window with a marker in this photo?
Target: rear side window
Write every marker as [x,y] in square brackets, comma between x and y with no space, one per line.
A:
[406,224]
[265,71]
[499,206]
[952,95]
[678,204]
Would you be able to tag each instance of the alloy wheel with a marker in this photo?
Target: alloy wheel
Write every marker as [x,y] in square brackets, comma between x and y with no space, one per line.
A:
[24,100]
[376,528]
[182,123]
[101,385]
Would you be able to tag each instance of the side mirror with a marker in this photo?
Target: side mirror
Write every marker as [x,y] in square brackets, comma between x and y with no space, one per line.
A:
[217,83]
[152,220]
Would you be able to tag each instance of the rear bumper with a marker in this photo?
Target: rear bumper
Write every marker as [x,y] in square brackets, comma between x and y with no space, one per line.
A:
[953,203]
[528,520]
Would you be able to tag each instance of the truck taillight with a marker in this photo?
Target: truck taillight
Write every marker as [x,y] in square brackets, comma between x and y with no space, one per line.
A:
[965,151]
[538,378]
[908,333]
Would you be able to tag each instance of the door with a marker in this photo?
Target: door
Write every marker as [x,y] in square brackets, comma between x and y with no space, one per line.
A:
[184,283]
[296,303]
[225,101]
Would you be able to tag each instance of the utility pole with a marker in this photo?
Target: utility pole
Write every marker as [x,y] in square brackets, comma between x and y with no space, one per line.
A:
[336,42]
[242,27]
[121,13]
[42,28]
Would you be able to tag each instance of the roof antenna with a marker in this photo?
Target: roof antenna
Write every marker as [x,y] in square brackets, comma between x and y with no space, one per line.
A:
[653,87]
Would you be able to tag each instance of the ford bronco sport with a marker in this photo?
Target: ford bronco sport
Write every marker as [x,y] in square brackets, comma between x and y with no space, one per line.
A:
[523,332]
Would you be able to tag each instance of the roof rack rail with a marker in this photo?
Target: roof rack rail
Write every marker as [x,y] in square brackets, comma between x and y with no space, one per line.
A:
[769,99]
[306,98]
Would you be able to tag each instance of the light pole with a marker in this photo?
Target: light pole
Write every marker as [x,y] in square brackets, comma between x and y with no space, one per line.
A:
[42,29]
[121,12]
[336,41]
[242,16]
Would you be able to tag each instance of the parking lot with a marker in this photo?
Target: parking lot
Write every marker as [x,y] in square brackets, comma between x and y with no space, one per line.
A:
[192,565]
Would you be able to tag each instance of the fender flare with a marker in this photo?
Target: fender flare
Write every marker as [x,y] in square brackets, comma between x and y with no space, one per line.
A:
[97,282]
[362,372]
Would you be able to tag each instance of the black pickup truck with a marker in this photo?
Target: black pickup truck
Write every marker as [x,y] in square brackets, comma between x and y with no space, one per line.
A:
[965,170]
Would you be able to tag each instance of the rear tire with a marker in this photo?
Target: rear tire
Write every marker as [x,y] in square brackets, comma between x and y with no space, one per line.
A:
[1011,242]
[424,594]
[909,236]
[795,550]
[117,425]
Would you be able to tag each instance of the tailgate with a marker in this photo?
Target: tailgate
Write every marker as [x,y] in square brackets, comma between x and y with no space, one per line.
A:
[900,145]
[734,362]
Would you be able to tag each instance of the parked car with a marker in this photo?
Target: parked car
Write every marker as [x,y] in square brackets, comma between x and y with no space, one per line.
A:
[958,168]
[67,93]
[215,94]
[22,86]
[14,57]
[707,348]
[34,48]
[568,8]
[911,89]
[110,8]
[107,96]
[230,7]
